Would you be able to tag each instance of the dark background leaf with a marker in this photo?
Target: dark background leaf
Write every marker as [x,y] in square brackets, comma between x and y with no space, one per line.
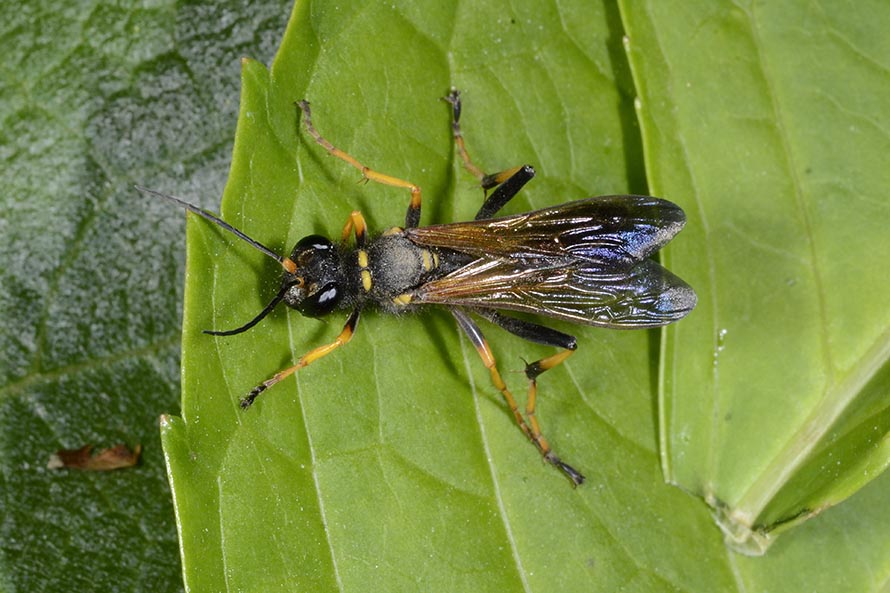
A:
[95,97]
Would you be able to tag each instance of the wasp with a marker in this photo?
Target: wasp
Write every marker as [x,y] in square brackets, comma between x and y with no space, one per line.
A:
[585,262]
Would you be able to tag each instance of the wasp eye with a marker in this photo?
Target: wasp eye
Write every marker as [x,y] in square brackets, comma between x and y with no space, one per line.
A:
[322,301]
[313,242]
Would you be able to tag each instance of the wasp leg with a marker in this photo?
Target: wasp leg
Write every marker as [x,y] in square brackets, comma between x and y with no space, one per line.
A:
[505,191]
[508,183]
[486,181]
[548,337]
[533,433]
[475,334]
[305,360]
[532,370]
[533,332]
[356,222]
[412,217]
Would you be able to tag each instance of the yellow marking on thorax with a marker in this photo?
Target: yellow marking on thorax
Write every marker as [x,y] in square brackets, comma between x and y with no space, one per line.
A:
[366,280]
[393,231]
[363,270]
[429,259]
[403,299]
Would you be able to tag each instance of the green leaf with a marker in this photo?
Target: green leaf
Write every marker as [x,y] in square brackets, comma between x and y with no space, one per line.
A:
[777,404]
[392,464]
[95,97]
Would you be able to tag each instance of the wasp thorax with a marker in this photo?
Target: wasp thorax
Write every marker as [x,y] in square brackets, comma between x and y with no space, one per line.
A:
[315,288]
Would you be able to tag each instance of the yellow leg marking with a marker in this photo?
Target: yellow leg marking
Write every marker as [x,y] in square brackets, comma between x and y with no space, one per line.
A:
[541,366]
[545,364]
[469,165]
[498,178]
[305,360]
[532,370]
[488,360]
[355,222]
[368,174]
[487,181]
[536,435]
[454,98]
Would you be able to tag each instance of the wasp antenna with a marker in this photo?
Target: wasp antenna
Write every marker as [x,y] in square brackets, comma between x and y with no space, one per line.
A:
[285,262]
[268,309]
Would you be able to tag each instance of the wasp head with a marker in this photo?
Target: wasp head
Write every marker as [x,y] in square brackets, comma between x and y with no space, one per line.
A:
[316,285]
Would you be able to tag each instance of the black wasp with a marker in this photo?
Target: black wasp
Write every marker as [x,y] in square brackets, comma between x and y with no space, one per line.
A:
[585,262]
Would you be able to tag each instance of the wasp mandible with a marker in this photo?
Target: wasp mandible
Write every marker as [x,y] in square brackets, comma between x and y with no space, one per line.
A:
[584,262]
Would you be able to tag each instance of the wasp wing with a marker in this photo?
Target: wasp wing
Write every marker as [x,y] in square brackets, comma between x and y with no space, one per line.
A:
[641,295]
[603,231]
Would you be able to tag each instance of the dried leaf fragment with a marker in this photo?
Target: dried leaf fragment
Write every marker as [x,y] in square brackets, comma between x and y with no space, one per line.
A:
[116,457]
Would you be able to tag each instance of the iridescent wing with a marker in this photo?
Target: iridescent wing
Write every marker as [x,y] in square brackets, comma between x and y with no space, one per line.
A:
[603,231]
[641,295]
[585,262]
